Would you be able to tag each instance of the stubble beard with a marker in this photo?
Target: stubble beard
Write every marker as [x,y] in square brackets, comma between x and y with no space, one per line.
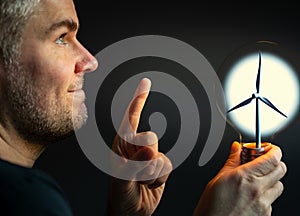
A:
[35,117]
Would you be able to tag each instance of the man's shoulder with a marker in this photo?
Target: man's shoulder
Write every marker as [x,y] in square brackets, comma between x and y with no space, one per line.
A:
[30,190]
[19,176]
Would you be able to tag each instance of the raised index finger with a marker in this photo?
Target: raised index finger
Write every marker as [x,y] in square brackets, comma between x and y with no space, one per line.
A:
[133,112]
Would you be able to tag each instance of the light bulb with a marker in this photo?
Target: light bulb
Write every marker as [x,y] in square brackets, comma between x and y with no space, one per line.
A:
[261,89]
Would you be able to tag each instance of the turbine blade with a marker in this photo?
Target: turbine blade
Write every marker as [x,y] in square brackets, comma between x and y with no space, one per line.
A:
[258,74]
[245,102]
[268,102]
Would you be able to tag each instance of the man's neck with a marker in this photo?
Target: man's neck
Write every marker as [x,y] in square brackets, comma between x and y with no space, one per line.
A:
[16,150]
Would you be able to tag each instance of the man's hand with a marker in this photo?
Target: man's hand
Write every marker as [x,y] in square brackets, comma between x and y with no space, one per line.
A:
[140,194]
[248,189]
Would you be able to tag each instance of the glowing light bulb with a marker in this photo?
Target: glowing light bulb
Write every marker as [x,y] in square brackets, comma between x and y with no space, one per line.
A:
[278,83]
[261,84]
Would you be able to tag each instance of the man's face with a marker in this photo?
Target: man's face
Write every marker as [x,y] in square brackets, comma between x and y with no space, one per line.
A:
[45,90]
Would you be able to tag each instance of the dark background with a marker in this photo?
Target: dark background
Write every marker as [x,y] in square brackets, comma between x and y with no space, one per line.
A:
[216,30]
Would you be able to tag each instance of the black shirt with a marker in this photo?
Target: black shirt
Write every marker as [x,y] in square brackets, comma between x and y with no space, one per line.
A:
[29,191]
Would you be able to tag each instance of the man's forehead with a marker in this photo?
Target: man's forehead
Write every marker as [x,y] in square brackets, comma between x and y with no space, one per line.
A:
[55,11]
[51,15]
[55,8]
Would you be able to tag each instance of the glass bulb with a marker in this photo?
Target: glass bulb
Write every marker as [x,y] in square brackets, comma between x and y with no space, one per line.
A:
[261,89]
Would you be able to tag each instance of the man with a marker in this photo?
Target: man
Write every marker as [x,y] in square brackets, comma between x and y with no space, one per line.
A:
[42,66]
[42,101]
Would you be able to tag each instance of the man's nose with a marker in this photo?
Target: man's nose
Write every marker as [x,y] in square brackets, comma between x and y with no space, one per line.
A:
[91,65]
[86,62]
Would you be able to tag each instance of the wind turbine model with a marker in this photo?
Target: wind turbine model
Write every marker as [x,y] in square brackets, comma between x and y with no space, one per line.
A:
[257,97]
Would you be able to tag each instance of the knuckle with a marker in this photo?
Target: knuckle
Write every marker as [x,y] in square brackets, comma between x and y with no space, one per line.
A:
[265,208]
[146,138]
[254,191]
[151,138]
[273,162]
[278,150]
[251,179]
[152,134]
[279,187]
[248,184]
[238,177]
[277,155]
[168,167]
[283,167]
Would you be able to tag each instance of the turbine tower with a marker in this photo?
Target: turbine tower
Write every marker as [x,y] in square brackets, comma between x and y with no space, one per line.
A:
[257,98]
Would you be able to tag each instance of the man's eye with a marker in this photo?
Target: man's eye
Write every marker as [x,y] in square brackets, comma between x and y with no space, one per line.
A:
[60,40]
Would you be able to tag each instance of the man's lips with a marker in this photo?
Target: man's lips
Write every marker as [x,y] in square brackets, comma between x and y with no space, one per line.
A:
[75,90]
[77,85]
[78,94]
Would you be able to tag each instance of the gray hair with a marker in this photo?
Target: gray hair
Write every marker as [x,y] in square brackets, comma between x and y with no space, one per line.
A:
[14,15]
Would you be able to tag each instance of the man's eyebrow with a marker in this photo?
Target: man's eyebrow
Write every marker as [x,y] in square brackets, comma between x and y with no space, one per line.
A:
[68,23]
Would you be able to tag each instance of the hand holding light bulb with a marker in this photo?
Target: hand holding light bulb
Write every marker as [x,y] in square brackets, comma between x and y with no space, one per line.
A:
[248,189]
[249,182]
[271,71]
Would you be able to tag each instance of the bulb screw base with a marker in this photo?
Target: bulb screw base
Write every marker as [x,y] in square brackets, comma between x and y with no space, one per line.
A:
[250,152]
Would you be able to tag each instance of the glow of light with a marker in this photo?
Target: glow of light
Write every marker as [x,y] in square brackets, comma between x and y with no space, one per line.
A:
[278,83]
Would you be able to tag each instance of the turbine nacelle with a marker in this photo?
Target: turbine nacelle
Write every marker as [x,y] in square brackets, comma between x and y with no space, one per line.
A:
[257,96]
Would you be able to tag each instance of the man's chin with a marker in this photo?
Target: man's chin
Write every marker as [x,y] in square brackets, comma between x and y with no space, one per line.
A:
[80,119]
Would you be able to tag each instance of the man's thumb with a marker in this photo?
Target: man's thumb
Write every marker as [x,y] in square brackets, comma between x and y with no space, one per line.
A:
[234,159]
